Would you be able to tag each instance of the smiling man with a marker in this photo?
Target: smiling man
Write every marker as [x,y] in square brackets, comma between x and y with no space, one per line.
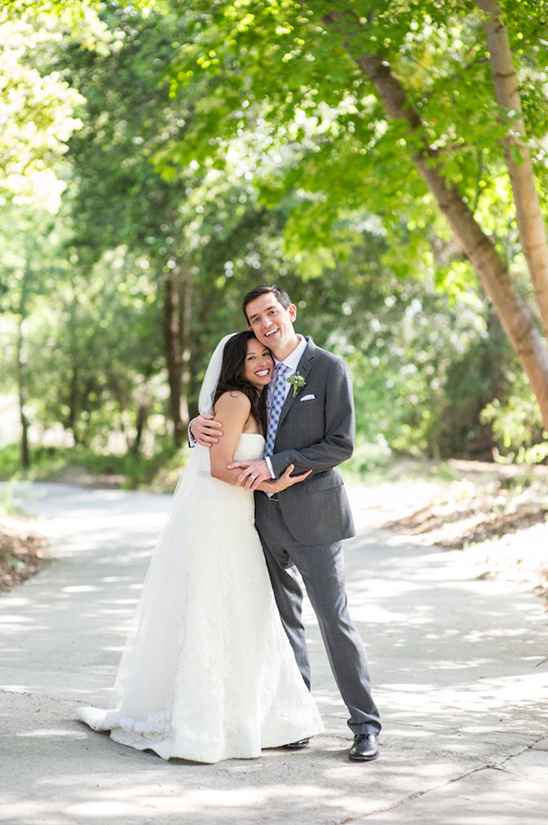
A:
[310,425]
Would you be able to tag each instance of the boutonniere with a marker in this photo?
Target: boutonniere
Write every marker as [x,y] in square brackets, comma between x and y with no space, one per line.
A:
[297,382]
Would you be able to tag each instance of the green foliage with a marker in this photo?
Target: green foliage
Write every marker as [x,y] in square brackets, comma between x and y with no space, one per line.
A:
[159,472]
[37,112]
[10,464]
[241,142]
[517,426]
[7,505]
[95,356]
[289,72]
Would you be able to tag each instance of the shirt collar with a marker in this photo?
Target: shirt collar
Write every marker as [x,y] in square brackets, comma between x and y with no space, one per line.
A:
[292,360]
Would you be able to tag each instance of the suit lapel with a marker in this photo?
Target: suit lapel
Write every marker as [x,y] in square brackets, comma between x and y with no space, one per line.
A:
[304,367]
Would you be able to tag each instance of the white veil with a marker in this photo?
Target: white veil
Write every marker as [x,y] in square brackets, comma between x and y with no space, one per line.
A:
[211,377]
[145,684]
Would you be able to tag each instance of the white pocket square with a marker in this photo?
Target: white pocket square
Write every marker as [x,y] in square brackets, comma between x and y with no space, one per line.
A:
[308,398]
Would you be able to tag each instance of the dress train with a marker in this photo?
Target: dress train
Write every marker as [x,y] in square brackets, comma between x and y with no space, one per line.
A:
[208,672]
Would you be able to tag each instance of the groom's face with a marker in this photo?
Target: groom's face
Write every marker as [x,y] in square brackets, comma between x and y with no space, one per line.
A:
[271,322]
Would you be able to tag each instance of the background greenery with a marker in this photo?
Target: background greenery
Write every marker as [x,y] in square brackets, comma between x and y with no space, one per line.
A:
[160,159]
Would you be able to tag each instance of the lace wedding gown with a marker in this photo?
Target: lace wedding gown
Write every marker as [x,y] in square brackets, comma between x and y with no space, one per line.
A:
[208,672]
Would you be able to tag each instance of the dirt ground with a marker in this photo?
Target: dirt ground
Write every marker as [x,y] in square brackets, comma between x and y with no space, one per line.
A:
[496,513]
[23,551]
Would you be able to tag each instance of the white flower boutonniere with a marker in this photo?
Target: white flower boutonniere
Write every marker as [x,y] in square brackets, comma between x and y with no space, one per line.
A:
[297,382]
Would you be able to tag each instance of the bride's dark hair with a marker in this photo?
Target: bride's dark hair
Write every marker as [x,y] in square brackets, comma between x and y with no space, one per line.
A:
[234,355]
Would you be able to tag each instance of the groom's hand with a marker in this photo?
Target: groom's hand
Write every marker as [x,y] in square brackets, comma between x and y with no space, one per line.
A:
[205,430]
[253,473]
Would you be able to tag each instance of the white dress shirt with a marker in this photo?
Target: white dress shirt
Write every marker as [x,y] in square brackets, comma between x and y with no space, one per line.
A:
[291,362]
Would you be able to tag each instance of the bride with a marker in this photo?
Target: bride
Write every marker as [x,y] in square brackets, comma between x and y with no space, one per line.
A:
[208,672]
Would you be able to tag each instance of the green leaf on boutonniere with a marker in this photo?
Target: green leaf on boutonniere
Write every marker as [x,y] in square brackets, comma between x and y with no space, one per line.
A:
[297,382]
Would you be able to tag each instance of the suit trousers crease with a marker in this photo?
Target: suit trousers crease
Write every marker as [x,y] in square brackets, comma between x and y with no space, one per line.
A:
[322,571]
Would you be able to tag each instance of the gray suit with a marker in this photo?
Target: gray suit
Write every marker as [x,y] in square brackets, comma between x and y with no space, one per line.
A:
[303,526]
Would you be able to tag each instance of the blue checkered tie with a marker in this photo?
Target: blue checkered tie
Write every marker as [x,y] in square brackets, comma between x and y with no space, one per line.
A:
[278,398]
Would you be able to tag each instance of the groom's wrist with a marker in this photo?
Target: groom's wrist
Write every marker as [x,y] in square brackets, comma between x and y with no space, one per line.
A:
[191,439]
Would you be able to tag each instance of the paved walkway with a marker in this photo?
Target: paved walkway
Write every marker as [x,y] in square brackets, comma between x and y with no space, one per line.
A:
[459,666]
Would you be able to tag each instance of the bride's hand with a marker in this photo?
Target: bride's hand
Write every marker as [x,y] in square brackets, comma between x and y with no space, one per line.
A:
[284,481]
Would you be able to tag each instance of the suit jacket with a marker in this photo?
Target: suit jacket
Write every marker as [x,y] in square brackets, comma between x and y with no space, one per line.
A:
[316,431]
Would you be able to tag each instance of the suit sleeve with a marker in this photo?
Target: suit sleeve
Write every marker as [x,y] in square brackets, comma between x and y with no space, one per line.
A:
[328,443]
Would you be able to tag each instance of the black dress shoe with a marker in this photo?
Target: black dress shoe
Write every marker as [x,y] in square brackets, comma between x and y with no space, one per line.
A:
[297,746]
[364,748]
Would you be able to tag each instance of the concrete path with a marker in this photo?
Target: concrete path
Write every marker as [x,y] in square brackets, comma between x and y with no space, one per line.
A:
[459,666]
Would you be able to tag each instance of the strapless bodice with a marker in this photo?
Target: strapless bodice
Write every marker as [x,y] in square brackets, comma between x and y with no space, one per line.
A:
[250,446]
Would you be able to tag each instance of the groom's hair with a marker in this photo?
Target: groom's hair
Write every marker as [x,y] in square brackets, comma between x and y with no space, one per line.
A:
[278,292]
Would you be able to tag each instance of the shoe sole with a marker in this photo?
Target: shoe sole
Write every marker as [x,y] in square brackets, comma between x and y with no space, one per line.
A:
[364,758]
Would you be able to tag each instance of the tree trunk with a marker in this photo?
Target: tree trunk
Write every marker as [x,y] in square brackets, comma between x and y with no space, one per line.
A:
[514,315]
[21,380]
[518,159]
[140,424]
[177,296]
[21,374]
[73,405]
[74,378]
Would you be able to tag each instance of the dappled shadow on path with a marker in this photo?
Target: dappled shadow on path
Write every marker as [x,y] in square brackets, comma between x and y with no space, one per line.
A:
[438,636]
[456,664]
[96,780]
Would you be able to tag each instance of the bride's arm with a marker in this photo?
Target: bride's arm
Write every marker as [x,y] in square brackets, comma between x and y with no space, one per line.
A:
[232,410]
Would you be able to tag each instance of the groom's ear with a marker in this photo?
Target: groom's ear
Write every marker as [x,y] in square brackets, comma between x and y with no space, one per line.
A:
[292,309]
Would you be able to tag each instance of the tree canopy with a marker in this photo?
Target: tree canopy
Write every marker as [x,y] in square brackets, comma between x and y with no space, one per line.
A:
[386,162]
[403,109]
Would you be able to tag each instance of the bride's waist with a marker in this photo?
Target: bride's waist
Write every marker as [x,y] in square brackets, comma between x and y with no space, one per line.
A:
[205,474]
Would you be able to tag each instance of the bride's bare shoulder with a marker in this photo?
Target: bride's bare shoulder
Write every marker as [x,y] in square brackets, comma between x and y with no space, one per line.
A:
[232,400]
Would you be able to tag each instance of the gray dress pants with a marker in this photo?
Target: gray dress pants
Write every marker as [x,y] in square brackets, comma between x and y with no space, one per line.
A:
[322,571]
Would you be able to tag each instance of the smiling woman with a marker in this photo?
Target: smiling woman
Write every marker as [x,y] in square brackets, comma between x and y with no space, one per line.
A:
[212,675]
[247,367]
[258,364]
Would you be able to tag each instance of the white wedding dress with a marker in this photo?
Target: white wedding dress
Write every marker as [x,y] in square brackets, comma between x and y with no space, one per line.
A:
[208,672]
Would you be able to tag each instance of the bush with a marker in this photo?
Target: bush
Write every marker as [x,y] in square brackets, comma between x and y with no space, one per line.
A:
[160,472]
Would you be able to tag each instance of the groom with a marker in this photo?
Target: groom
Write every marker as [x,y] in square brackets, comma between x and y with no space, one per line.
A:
[311,425]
